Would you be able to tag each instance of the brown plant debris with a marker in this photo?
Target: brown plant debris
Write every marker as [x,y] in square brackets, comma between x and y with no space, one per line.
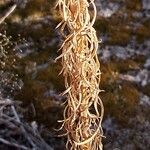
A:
[81,70]
[14,132]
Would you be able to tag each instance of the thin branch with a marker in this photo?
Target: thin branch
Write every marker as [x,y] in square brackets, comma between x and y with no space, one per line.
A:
[7,13]
[22,128]
[13,144]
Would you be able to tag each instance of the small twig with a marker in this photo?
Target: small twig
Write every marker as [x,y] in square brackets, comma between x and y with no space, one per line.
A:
[13,144]
[38,139]
[22,128]
[7,13]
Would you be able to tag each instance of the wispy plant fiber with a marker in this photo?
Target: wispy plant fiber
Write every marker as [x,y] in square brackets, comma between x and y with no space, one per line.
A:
[81,70]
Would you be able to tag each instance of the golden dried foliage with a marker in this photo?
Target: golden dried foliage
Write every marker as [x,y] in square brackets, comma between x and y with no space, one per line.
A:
[81,70]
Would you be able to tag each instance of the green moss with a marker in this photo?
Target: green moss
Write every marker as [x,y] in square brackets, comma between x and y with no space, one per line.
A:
[127,65]
[101,25]
[120,98]
[130,93]
[36,6]
[120,101]
[50,74]
[146,89]
[114,67]
[119,35]
[135,5]
[48,111]
[109,74]
[142,33]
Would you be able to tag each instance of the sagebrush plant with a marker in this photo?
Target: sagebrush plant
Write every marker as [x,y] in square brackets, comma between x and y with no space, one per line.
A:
[81,69]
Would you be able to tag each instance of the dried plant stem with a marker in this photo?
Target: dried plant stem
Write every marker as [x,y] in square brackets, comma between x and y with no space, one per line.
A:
[81,70]
[7,13]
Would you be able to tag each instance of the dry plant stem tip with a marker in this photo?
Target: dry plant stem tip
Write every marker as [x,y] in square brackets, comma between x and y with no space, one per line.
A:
[81,70]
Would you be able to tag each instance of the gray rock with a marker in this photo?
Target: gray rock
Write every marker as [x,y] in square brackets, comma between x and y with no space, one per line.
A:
[146,4]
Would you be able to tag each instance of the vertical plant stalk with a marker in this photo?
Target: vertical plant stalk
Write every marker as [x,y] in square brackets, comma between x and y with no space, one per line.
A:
[81,70]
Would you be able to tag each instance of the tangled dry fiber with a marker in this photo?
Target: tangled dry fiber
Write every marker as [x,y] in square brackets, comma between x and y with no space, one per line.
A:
[81,70]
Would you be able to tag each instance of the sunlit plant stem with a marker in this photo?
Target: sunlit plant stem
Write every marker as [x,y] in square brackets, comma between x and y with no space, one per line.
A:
[81,69]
